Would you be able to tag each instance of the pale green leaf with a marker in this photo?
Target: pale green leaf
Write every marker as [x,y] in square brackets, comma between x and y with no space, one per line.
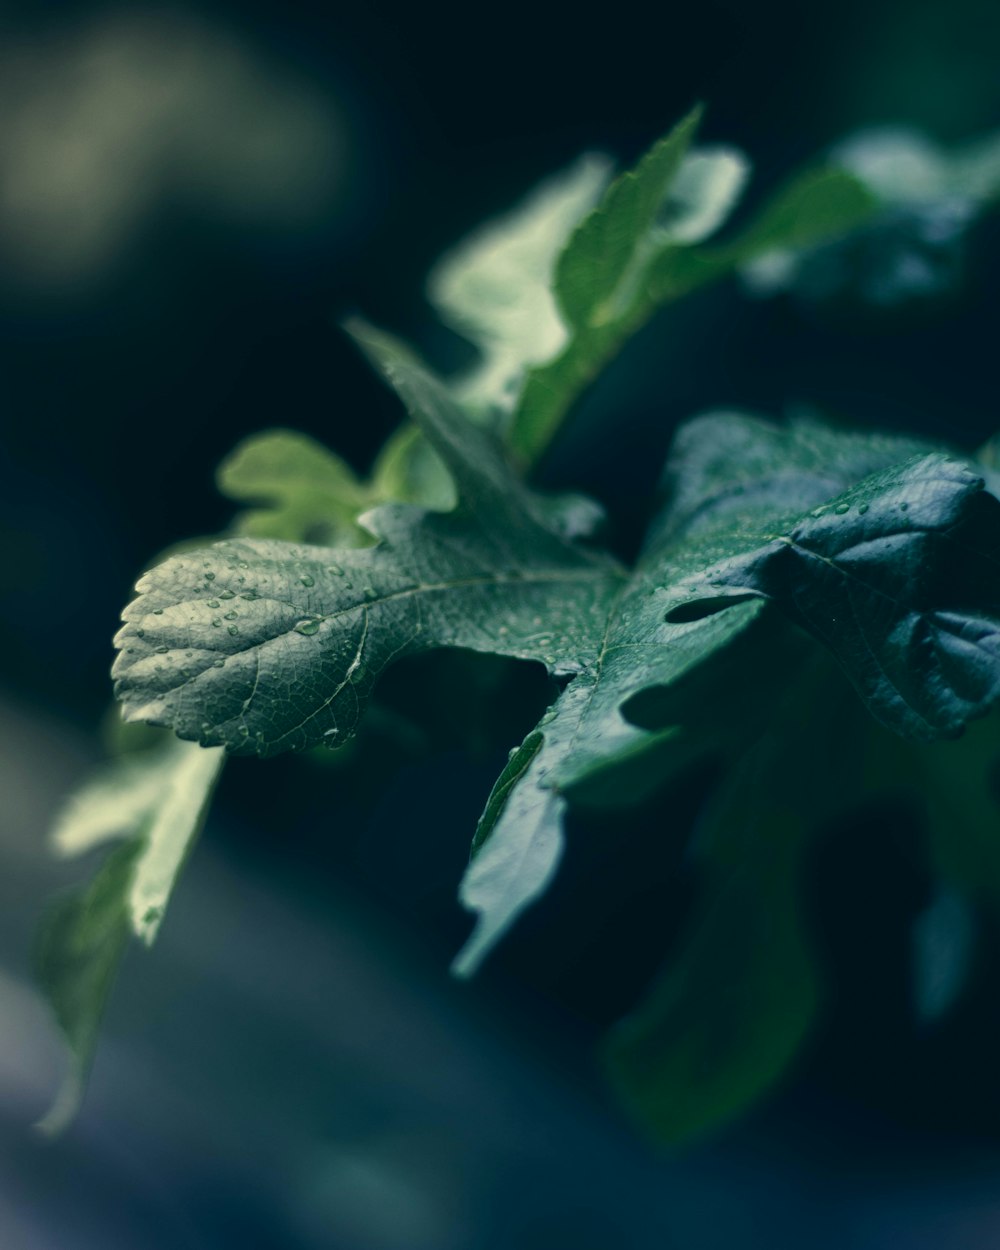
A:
[309,493]
[495,287]
[156,800]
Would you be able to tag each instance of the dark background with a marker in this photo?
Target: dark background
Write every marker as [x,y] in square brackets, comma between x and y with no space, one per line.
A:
[190,198]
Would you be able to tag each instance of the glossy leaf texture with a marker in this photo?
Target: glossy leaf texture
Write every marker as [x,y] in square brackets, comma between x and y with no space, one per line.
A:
[900,577]
[264,647]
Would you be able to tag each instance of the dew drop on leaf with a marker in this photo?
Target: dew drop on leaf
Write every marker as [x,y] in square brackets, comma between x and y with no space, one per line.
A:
[306,580]
[308,626]
[234,629]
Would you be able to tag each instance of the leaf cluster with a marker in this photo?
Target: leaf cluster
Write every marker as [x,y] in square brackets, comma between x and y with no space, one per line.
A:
[784,564]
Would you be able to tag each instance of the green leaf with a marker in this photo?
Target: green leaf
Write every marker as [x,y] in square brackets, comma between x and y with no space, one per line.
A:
[311,494]
[266,646]
[495,287]
[737,999]
[899,576]
[732,1008]
[595,273]
[643,246]
[79,948]
[156,800]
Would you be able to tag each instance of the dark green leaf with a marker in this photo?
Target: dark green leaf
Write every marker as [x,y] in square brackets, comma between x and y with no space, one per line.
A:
[265,646]
[738,998]
[899,576]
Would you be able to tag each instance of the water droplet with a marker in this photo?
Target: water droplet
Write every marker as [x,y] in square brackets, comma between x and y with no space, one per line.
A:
[369,592]
[209,577]
[231,616]
[306,580]
[512,752]
[242,564]
[151,915]
[212,603]
[335,569]
[862,508]
[218,663]
[140,633]
[227,594]
[234,629]
[904,507]
[249,595]
[217,623]
[157,611]
[308,626]
[817,512]
[130,650]
[841,508]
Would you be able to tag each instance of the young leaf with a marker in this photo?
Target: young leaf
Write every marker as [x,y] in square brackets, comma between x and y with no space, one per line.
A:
[644,245]
[310,494]
[157,801]
[495,287]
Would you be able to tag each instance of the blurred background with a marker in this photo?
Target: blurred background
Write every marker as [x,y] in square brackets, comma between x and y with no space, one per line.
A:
[191,196]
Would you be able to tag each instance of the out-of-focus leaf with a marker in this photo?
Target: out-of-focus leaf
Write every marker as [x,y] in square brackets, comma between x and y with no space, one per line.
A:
[307,493]
[738,998]
[912,248]
[156,800]
[495,287]
[79,948]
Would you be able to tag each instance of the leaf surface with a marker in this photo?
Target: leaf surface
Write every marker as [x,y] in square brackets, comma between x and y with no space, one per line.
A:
[899,576]
[264,646]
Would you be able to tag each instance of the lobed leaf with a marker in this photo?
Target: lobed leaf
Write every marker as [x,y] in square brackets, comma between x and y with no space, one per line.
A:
[899,576]
[268,646]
